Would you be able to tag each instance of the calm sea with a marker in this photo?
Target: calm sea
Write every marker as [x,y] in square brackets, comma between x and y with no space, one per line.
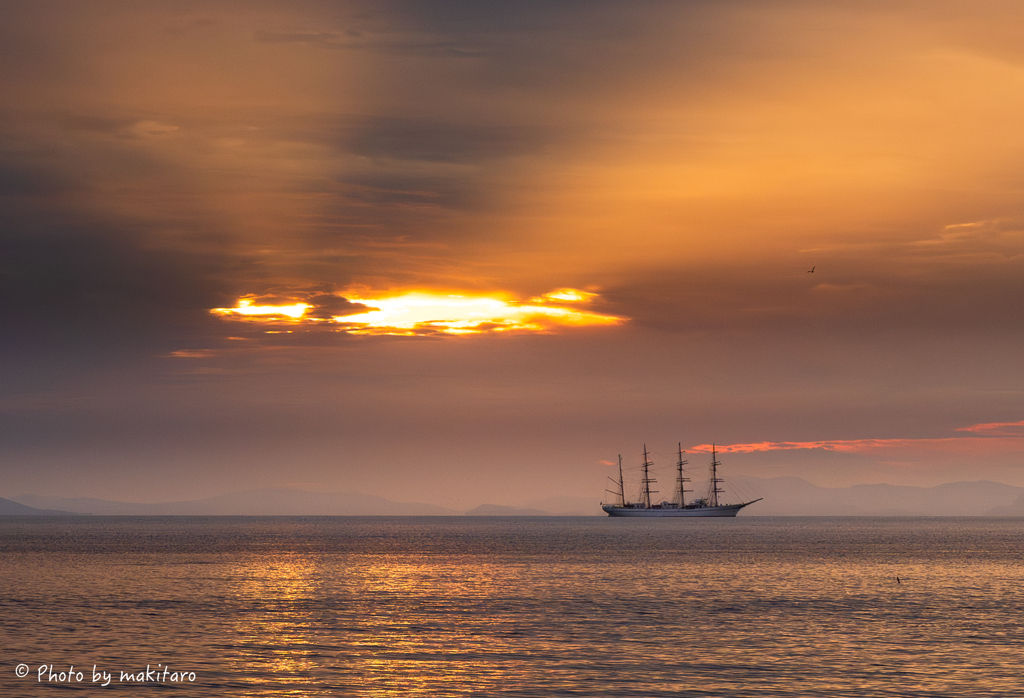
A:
[511,606]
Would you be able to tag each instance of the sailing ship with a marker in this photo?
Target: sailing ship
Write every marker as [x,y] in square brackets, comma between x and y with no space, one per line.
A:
[704,506]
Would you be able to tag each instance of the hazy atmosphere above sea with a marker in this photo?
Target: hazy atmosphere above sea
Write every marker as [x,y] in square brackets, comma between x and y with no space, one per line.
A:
[460,253]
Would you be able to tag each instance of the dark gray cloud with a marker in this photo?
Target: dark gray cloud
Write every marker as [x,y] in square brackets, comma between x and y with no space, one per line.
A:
[26,180]
[329,305]
[849,294]
[432,140]
[68,285]
[357,40]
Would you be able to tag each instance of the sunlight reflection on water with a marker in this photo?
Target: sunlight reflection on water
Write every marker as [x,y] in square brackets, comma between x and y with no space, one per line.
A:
[521,607]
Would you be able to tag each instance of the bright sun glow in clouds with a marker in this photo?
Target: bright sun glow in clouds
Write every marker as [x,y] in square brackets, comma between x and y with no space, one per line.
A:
[430,313]
[418,312]
[245,307]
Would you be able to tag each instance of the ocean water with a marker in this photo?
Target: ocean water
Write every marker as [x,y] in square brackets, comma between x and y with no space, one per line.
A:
[339,606]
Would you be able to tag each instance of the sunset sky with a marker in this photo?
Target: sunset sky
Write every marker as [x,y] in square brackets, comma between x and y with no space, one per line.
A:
[467,252]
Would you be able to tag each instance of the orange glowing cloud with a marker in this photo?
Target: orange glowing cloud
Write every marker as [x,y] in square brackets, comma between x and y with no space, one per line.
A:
[992,437]
[416,313]
[996,429]
[849,446]
[453,314]
[566,295]
[245,308]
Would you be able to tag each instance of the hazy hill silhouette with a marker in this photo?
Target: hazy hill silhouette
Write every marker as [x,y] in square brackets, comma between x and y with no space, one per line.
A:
[782,496]
[11,508]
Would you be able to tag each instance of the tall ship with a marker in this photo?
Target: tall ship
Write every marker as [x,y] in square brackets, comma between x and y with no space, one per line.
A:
[704,506]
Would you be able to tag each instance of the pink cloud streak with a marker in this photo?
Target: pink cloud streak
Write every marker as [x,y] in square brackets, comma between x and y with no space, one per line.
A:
[992,438]
[997,429]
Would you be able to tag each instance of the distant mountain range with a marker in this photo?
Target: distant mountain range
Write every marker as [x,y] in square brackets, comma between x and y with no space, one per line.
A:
[501,510]
[782,496]
[268,502]
[11,508]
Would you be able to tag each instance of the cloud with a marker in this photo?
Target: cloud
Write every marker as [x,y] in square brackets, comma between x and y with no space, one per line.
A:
[632,146]
[841,446]
[418,313]
[354,40]
[321,39]
[67,285]
[1009,440]
[26,180]
[298,308]
[151,129]
[997,429]
[433,140]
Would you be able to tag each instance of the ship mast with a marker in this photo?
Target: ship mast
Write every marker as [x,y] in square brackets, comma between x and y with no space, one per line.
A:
[647,480]
[622,487]
[681,481]
[715,480]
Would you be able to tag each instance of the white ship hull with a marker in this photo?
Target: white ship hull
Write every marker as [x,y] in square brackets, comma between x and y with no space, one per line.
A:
[721,510]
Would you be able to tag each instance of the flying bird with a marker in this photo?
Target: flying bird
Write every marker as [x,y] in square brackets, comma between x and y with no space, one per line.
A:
[811,270]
